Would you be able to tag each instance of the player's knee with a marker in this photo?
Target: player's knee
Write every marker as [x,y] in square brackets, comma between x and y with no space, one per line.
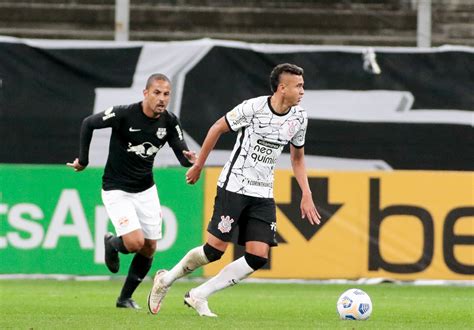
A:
[135,245]
[255,262]
[212,254]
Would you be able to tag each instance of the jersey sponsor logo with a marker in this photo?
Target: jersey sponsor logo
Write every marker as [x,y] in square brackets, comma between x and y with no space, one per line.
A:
[225,225]
[108,114]
[257,183]
[144,150]
[263,154]
[299,140]
[161,132]
[232,114]
[268,144]
[237,121]
[180,132]
[131,129]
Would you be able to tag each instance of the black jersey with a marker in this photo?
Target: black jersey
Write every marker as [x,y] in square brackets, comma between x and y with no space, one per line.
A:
[134,142]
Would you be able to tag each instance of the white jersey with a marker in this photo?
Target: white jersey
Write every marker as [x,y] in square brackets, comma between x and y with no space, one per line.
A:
[262,134]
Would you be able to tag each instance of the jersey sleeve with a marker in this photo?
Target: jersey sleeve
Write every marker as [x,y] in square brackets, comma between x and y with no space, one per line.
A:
[108,118]
[240,116]
[298,139]
[176,141]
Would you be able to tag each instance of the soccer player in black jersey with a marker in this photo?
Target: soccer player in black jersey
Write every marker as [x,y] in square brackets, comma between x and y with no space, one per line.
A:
[244,198]
[139,130]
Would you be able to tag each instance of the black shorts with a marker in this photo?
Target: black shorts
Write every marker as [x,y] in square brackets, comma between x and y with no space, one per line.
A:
[255,217]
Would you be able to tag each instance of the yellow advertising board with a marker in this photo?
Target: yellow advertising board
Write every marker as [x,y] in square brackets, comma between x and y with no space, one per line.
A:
[402,225]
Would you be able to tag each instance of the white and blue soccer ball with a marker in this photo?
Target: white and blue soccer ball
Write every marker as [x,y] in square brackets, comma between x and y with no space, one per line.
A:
[354,304]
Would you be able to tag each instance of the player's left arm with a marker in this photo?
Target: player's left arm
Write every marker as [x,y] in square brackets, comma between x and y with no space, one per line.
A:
[185,157]
[89,124]
[308,209]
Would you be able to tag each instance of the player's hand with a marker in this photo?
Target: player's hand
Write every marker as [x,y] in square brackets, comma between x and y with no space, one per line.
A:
[190,156]
[309,211]
[76,166]
[192,175]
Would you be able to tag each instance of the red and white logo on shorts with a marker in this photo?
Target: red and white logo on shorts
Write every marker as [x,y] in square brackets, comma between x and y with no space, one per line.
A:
[226,224]
[123,222]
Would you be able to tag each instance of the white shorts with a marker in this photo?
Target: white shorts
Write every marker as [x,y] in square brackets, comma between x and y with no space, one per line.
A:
[132,211]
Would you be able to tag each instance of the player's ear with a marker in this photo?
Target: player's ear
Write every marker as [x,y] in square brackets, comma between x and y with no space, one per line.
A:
[278,88]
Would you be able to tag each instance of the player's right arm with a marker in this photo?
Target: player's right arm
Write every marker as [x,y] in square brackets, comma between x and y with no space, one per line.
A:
[99,120]
[213,135]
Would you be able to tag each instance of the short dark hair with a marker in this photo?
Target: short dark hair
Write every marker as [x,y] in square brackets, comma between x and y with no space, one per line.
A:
[156,76]
[283,68]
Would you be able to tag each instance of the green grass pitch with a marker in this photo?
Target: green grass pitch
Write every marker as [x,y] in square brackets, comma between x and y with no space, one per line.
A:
[48,304]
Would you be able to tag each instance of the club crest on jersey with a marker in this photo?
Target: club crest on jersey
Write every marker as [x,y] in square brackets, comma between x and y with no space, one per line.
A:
[144,150]
[225,225]
[161,133]
[291,129]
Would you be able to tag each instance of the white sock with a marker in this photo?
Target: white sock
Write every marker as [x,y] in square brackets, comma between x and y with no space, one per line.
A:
[230,275]
[195,258]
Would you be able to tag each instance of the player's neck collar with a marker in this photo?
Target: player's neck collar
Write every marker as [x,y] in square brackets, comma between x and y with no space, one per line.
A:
[269,101]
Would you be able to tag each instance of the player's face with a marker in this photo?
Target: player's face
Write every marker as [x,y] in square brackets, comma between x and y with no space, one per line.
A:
[293,88]
[157,97]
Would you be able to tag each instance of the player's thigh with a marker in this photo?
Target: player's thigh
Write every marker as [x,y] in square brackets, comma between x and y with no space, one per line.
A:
[148,207]
[225,218]
[121,211]
[216,242]
[260,224]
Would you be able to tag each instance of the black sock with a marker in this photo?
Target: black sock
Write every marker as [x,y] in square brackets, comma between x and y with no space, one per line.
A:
[212,254]
[117,244]
[255,262]
[136,273]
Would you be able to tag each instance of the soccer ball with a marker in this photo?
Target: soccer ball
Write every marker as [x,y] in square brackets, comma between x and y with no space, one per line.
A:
[354,304]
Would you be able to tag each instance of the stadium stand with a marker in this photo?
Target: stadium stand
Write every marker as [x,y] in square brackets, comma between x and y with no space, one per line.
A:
[342,22]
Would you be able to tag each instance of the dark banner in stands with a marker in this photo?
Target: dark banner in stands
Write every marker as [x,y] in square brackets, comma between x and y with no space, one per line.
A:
[48,92]
[436,85]
[395,108]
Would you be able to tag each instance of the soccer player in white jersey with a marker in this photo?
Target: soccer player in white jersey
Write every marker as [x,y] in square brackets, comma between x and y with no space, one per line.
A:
[245,187]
